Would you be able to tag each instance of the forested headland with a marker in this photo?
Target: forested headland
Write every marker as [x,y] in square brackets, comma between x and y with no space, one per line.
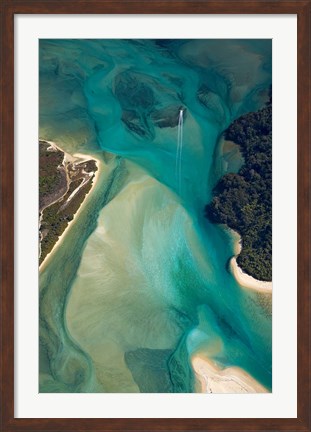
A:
[243,201]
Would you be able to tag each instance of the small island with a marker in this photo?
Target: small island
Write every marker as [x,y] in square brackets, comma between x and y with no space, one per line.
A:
[243,201]
[64,182]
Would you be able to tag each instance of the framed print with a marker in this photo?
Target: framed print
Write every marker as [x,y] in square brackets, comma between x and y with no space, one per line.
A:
[155,215]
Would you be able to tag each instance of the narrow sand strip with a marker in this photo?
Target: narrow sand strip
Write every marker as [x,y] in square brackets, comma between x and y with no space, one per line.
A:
[83,158]
[242,278]
[212,379]
[248,281]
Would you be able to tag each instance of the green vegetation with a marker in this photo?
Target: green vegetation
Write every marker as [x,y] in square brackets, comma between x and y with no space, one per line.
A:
[52,180]
[243,201]
[57,216]
[57,181]
[89,166]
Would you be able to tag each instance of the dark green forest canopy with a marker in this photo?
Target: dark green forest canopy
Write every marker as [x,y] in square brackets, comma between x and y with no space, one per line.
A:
[243,201]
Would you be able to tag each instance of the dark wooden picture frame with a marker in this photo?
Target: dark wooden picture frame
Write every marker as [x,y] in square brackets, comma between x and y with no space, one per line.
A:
[9,8]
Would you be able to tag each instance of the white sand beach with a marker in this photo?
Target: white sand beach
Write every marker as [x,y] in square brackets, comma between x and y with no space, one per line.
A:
[212,379]
[242,278]
[77,157]
[248,281]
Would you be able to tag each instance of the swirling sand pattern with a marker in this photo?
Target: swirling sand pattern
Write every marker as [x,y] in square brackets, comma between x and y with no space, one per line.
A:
[140,283]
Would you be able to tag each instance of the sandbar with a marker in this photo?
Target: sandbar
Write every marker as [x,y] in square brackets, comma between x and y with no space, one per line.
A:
[212,379]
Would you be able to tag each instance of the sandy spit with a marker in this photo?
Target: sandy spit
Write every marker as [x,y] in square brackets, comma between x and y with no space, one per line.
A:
[76,157]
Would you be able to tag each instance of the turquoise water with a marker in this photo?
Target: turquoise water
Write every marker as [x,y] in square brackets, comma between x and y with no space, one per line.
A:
[140,282]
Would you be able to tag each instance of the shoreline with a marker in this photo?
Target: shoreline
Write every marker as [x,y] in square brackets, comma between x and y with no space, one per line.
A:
[231,380]
[83,158]
[232,158]
[244,279]
[248,281]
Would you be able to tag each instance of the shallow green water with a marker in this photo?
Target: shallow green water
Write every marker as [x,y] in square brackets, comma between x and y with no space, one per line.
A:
[141,282]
